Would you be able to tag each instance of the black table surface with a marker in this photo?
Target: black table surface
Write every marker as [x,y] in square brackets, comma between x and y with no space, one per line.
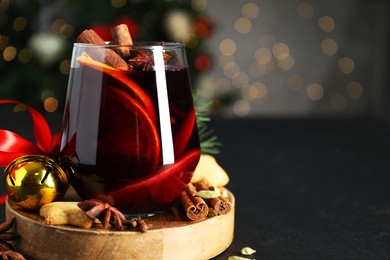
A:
[304,188]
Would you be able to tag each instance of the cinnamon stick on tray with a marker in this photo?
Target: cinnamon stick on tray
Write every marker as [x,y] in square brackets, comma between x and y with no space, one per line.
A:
[103,55]
[194,206]
[220,205]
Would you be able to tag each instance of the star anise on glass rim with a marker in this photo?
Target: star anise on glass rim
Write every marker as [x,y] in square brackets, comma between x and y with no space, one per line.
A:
[110,216]
[6,249]
[143,60]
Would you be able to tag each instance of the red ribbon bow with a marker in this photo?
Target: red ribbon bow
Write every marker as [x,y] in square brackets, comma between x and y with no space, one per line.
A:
[13,146]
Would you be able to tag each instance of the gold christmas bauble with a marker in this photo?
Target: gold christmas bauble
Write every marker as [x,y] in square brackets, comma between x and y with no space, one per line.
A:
[32,181]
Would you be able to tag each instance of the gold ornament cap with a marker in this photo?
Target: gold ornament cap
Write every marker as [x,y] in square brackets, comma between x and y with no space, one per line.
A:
[32,181]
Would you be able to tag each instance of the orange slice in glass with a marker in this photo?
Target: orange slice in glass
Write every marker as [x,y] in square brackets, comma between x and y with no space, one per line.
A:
[131,87]
[129,142]
[128,138]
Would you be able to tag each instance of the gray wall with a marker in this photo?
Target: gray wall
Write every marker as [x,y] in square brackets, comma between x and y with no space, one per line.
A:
[314,83]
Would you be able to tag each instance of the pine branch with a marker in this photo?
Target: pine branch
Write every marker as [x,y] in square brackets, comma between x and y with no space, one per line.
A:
[208,142]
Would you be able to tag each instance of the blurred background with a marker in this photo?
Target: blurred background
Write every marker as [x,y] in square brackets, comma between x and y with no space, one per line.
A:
[250,58]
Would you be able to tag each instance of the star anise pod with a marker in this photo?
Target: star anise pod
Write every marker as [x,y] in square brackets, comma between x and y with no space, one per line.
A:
[143,60]
[111,216]
[108,215]
[6,249]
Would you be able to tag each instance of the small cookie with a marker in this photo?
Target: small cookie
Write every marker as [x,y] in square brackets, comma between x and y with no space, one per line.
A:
[210,172]
[65,213]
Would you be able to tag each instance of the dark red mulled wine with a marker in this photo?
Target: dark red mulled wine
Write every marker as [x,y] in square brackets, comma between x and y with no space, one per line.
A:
[132,139]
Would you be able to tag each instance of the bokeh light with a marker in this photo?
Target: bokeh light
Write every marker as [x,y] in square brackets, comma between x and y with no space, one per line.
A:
[225,59]
[326,23]
[241,108]
[250,10]
[231,69]
[305,10]
[50,104]
[280,50]
[9,53]
[47,93]
[243,25]
[240,79]
[329,46]
[199,5]
[227,47]
[57,25]
[25,55]
[66,31]
[287,63]
[65,67]
[259,89]
[315,91]
[346,65]
[190,40]
[4,4]
[355,90]
[263,55]
[20,23]
[118,3]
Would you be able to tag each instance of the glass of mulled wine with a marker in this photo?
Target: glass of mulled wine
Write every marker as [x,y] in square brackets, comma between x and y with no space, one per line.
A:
[129,130]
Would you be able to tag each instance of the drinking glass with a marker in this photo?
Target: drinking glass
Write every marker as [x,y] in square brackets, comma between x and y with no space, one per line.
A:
[129,134]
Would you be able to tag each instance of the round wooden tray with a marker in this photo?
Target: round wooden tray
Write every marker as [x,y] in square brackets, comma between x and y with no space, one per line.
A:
[170,236]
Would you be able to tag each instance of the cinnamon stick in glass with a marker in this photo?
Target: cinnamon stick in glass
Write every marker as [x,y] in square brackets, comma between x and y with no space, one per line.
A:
[121,36]
[103,55]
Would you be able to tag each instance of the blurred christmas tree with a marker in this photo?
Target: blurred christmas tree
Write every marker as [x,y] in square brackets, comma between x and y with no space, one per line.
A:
[36,39]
